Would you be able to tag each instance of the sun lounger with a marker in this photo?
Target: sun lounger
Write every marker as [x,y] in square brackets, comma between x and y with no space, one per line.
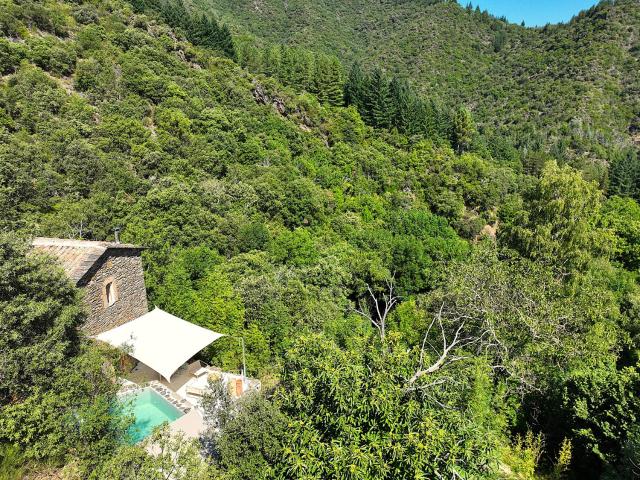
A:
[202,371]
[195,392]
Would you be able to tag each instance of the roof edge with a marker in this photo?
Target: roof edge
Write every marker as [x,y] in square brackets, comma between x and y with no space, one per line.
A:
[69,242]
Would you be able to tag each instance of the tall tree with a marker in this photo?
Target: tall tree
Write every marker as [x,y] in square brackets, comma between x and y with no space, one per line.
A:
[356,87]
[624,174]
[335,82]
[175,14]
[55,399]
[302,70]
[225,42]
[200,30]
[402,104]
[463,130]
[271,59]
[559,223]
[327,79]
[378,100]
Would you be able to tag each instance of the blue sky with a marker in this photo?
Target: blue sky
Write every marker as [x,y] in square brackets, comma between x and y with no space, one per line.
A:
[533,12]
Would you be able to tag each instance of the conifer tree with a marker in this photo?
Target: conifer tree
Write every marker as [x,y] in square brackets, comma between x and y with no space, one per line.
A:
[320,77]
[139,6]
[499,40]
[417,115]
[434,123]
[226,42]
[212,34]
[199,30]
[463,130]
[328,79]
[302,69]
[249,57]
[336,82]
[378,101]
[624,175]
[402,114]
[355,87]
[285,72]
[175,14]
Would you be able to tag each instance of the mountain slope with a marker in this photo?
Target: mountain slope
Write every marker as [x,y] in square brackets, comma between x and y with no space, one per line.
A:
[110,119]
[330,247]
[573,88]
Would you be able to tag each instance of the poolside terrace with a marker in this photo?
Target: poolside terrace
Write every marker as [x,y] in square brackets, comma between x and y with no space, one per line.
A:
[186,388]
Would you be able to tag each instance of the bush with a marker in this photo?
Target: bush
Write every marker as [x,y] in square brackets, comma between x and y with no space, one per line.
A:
[10,56]
[51,55]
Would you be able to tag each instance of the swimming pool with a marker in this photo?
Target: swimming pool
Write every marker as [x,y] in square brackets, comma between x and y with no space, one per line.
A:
[149,409]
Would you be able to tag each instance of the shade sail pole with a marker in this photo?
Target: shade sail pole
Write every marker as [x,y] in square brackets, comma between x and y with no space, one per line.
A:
[244,360]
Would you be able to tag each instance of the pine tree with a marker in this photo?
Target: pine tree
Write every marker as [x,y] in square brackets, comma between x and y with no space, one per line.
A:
[499,40]
[328,83]
[378,101]
[423,121]
[463,130]
[334,85]
[402,114]
[226,42]
[198,30]
[249,57]
[139,6]
[175,14]
[624,175]
[302,69]
[211,37]
[320,76]
[286,70]
[443,119]
[355,87]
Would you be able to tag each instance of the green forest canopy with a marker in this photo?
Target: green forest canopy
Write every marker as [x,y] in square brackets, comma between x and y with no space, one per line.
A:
[273,208]
[571,90]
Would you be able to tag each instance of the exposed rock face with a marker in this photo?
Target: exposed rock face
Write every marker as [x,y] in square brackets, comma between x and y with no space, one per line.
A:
[263,97]
[120,271]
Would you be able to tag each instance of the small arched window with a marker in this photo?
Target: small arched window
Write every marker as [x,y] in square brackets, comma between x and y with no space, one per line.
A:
[110,294]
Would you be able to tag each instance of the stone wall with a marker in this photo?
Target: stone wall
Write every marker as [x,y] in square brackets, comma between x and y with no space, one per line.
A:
[123,268]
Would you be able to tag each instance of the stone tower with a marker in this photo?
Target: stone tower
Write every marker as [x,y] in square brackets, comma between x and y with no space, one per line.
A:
[110,275]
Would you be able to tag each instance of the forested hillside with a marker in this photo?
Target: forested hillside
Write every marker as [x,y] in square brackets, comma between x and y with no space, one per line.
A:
[418,300]
[569,90]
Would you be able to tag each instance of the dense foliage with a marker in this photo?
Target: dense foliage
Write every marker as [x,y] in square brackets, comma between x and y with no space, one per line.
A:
[423,297]
[54,397]
[565,91]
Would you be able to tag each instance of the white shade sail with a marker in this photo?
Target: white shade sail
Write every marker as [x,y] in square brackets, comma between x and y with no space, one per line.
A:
[160,340]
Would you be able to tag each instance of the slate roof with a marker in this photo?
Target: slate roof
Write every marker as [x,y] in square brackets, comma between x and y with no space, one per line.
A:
[77,256]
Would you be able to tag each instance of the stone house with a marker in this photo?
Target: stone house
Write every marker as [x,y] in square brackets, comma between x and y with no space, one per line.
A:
[109,274]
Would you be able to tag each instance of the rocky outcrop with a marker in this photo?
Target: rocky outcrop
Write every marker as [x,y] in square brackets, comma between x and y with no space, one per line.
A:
[263,97]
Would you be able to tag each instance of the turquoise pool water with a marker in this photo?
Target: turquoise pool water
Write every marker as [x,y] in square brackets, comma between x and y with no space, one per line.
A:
[150,410]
